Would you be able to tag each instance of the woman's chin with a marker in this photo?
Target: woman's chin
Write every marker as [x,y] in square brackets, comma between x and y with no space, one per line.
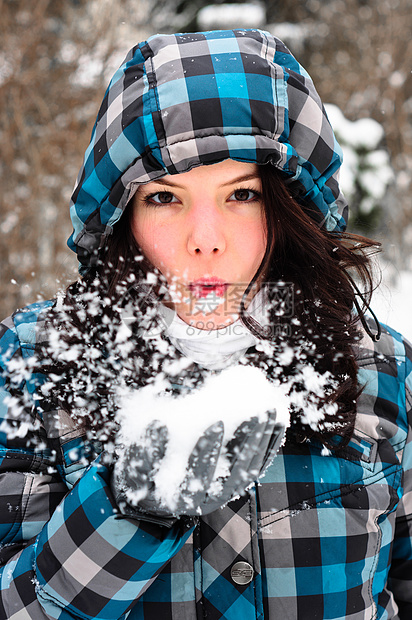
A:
[217,319]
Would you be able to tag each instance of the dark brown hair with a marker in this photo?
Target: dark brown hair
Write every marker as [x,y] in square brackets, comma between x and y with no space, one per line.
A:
[322,266]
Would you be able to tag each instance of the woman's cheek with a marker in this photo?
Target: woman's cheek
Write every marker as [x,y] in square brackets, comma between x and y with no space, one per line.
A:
[162,254]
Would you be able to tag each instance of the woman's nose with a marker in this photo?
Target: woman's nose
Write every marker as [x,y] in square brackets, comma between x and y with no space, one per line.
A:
[206,230]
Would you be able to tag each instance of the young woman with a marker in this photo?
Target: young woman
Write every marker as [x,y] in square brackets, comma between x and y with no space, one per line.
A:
[209,227]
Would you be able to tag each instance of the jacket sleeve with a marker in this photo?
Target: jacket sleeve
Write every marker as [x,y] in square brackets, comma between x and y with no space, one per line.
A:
[400,575]
[66,554]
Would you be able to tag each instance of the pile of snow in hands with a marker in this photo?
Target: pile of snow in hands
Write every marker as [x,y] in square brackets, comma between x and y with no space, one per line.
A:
[233,396]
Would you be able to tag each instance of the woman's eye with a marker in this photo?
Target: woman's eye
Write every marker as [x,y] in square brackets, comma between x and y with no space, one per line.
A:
[162,198]
[244,195]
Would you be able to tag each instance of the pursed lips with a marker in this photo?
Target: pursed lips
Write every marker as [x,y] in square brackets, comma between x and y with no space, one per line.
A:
[204,286]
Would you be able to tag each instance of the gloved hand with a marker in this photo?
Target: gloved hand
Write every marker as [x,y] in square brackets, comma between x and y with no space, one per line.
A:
[209,482]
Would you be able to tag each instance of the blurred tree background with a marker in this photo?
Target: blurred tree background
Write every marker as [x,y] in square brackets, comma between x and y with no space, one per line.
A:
[56,57]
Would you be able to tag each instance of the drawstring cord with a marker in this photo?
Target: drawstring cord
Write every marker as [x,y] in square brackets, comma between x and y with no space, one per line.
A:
[375,337]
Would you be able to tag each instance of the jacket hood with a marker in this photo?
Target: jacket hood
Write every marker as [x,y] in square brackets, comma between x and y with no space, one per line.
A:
[183,100]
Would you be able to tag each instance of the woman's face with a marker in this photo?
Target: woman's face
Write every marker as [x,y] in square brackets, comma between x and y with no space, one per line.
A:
[205,231]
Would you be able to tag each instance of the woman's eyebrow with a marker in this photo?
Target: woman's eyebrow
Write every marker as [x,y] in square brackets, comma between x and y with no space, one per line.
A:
[244,177]
[163,181]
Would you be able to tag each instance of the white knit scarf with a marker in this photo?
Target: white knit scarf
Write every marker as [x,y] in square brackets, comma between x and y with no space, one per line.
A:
[215,349]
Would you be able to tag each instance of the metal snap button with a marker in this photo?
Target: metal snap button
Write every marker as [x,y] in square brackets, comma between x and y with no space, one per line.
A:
[241,573]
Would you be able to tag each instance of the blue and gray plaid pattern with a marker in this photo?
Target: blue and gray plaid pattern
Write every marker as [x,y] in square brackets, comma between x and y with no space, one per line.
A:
[329,536]
[179,101]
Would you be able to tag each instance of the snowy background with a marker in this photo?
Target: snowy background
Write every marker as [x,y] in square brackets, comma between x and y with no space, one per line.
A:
[392,302]
[367,168]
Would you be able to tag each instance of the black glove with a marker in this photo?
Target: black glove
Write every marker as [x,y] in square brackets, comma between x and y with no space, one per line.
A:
[203,489]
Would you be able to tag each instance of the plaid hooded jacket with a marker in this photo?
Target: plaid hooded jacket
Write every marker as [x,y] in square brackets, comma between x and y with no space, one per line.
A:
[321,536]
[324,536]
